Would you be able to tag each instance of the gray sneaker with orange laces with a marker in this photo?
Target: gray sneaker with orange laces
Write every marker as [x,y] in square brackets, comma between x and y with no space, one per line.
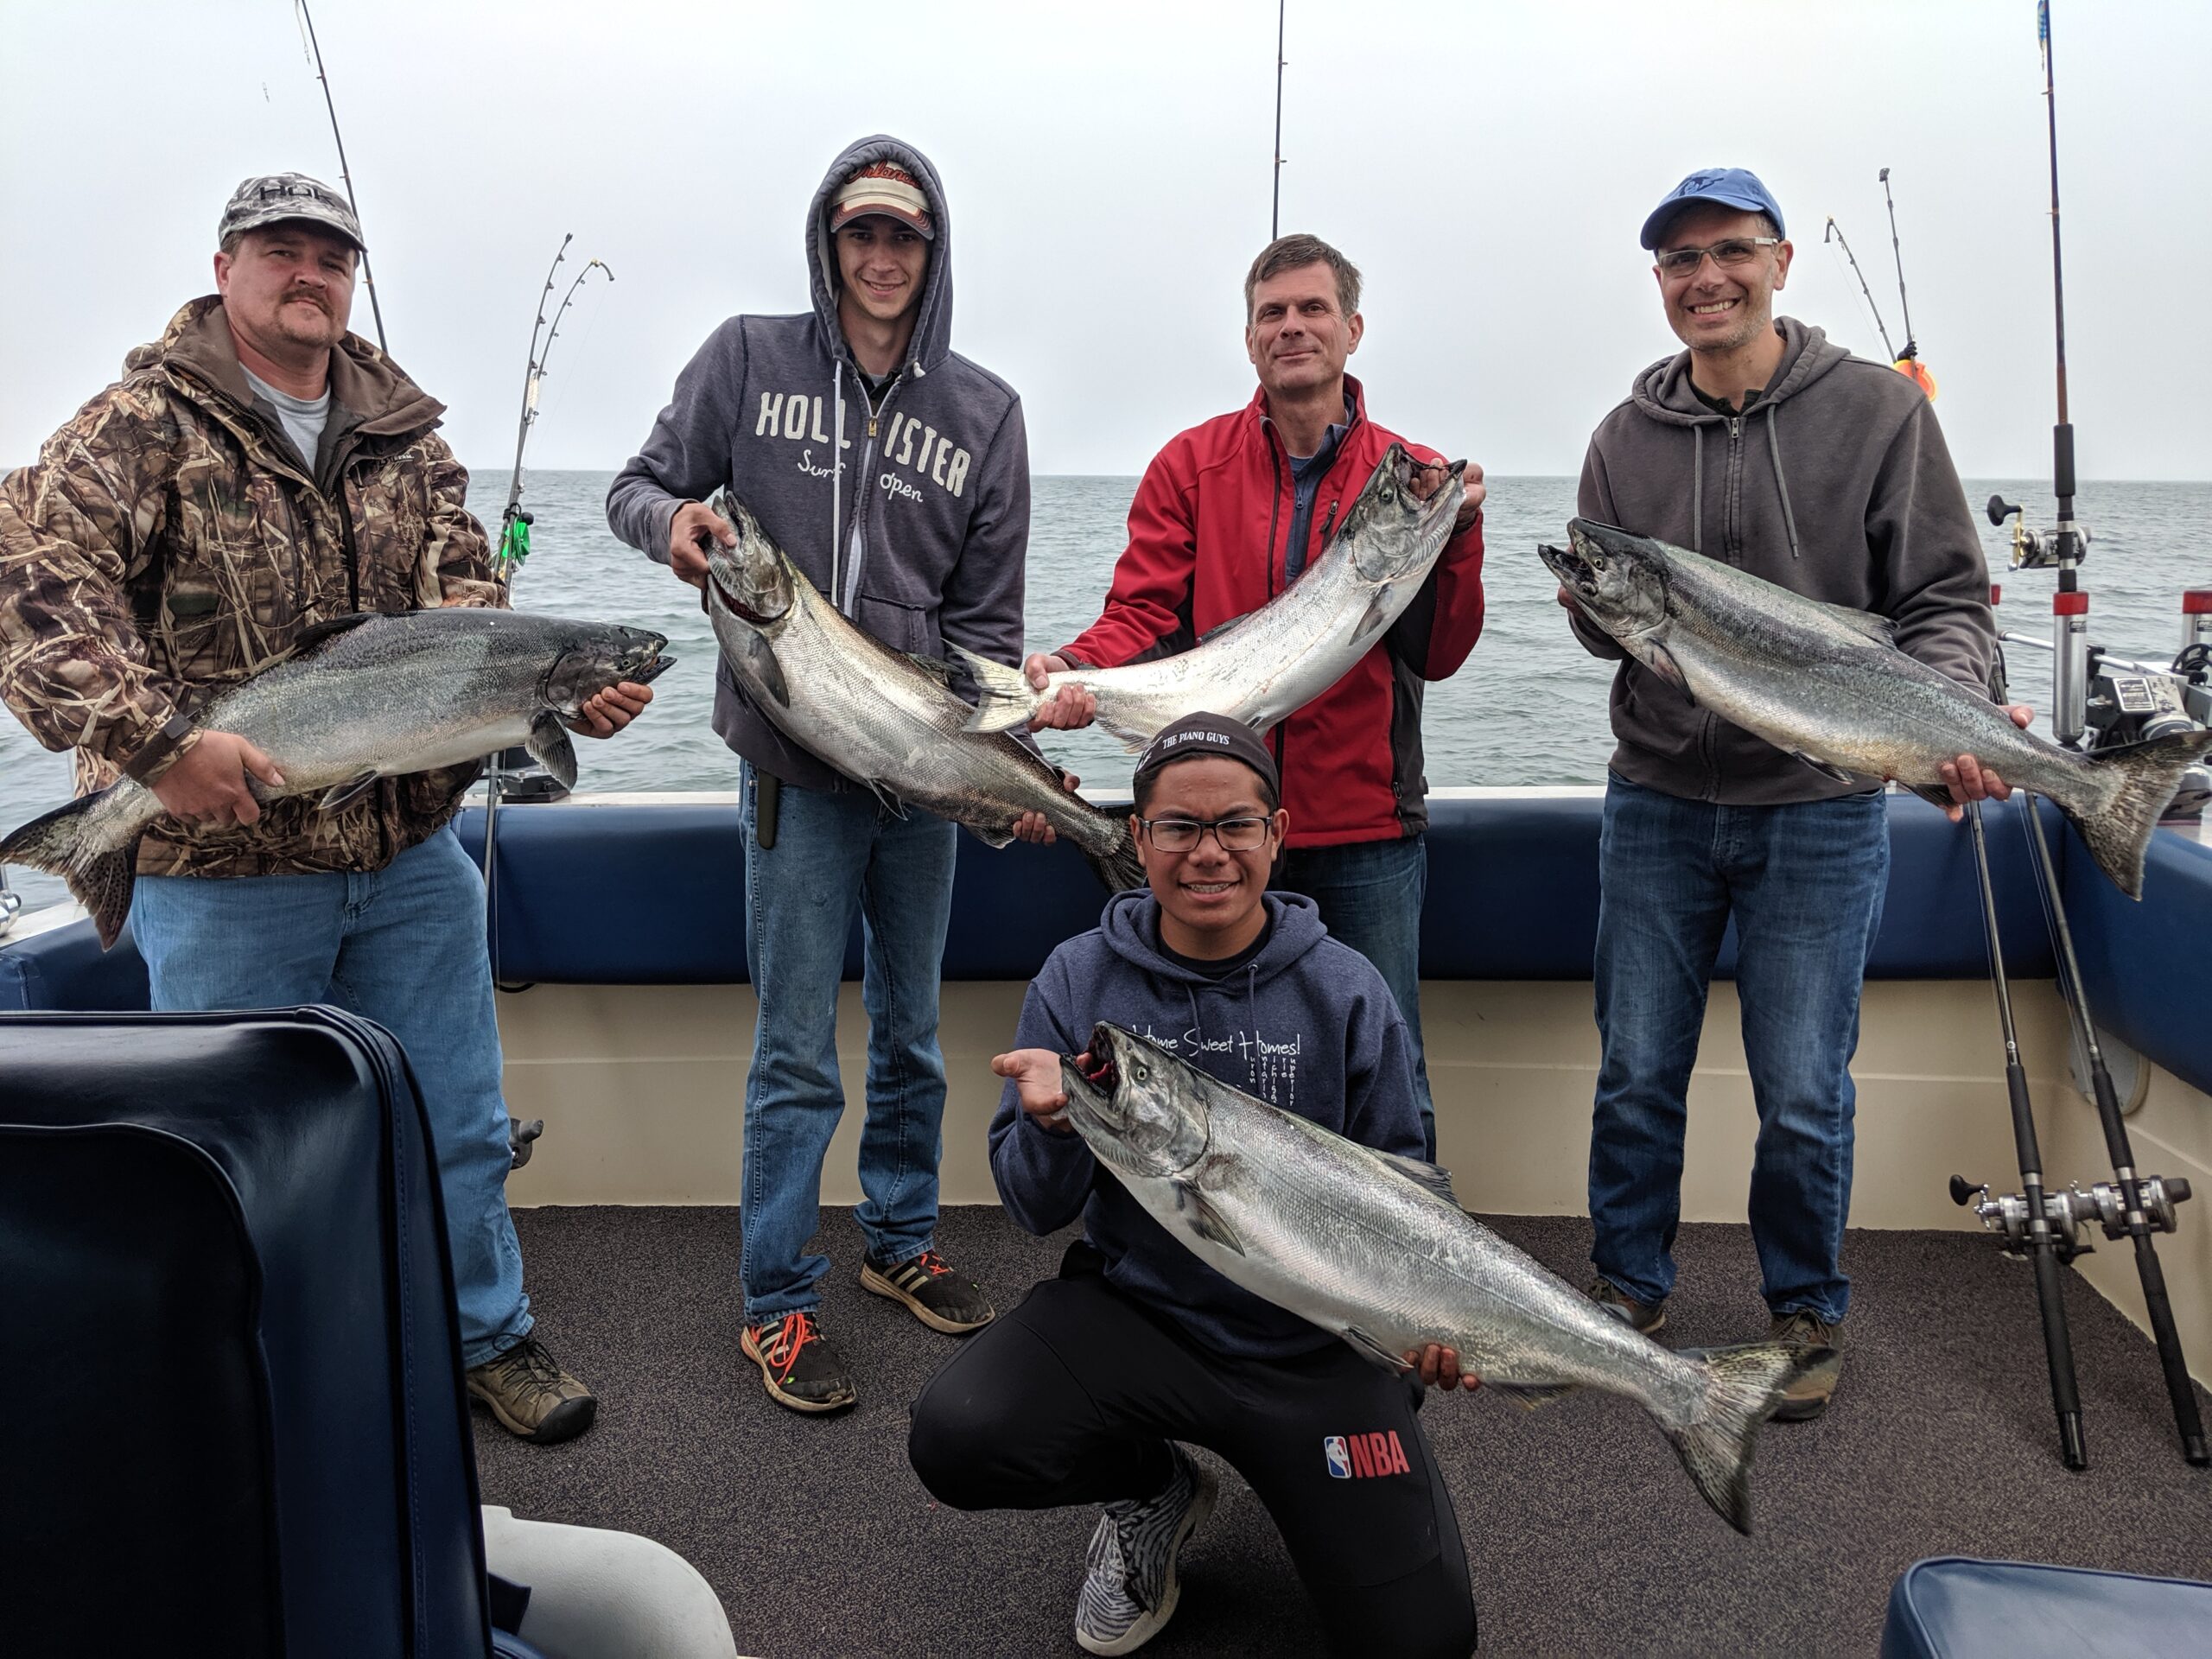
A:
[933,1292]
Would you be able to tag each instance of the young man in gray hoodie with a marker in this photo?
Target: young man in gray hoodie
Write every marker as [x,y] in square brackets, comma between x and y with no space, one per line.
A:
[1762,445]
[896,473]
[1082,1393]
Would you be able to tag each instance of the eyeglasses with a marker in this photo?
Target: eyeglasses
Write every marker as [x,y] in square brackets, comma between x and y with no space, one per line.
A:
[1728,254]
[1183,835]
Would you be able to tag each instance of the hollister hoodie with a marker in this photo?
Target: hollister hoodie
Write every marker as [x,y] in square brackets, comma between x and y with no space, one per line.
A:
[915,520]
[1307,1026]
[1835,483]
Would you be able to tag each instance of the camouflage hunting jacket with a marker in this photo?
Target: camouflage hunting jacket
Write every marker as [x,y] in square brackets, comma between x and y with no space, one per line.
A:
[169,542]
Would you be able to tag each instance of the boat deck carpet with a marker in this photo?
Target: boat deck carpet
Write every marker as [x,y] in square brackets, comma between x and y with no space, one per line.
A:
[1583,1535]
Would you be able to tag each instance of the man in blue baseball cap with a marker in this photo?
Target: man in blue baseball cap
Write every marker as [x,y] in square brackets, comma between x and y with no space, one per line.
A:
[1764,445]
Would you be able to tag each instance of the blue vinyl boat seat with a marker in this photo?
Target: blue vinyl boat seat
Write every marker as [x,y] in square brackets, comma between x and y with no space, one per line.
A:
[652,893]
[1956,1608]
[236,1421]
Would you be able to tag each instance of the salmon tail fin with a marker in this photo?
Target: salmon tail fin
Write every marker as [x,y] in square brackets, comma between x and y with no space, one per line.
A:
[1118,866]
[1743,1385]
[1006,699]
[64,842]
[2148,776]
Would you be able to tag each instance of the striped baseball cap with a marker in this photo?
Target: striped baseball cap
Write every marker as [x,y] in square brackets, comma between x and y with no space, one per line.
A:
[881,187]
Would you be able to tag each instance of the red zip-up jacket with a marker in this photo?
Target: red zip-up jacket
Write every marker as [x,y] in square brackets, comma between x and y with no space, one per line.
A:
[1209,541]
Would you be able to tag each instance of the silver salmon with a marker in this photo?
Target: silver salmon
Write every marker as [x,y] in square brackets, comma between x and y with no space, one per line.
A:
[1267,665]
[360,698]
[1825,683]
[884,719]
[1375,1249]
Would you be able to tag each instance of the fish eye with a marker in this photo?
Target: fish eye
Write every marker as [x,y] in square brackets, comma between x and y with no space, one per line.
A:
[1140,1073]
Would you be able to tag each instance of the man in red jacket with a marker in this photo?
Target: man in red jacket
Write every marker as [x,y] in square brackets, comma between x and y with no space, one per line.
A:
[1225,519]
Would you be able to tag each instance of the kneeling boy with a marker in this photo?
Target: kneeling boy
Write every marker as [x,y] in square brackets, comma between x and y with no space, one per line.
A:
[1080,1394]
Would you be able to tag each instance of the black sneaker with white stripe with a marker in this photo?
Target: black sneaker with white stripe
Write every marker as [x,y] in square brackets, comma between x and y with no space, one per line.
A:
[1129,1592]
[932,1292]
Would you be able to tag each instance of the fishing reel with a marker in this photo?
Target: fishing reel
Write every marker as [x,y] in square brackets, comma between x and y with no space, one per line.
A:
[2035,550]
[2070,1211]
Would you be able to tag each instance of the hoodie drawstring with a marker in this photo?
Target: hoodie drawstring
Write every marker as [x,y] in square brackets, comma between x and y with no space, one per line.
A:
[1774,448]
[836,471]
[1697,488]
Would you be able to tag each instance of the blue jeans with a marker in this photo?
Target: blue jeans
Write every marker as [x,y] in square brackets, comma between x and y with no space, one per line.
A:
[403,946]
[1370,894]
[836,852]
[1805,883]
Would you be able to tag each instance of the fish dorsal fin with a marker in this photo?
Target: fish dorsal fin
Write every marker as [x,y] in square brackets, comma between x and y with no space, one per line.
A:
[1374,1350]
[549,746]
[318,634]
[1882,630]
[1424,1175]
[1202,1219]
[1220,628]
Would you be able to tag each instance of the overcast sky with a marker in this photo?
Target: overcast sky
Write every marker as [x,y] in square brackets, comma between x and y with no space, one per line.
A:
[1107,169]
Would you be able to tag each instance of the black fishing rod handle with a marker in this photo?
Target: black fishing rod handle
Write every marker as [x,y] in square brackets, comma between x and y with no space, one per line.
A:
[2180,1388]
[2023,1120]
[2058,1350]
[2115,1127]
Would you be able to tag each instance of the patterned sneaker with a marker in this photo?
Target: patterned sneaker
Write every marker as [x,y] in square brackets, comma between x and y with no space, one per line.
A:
[797,1364]
[1638,1316]
[1129,1592]
[533,1398]
[932,1292]
[1807,1396]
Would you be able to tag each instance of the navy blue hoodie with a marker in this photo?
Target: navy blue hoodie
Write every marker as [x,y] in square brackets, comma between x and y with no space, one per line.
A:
[1307,1026]
[928,495]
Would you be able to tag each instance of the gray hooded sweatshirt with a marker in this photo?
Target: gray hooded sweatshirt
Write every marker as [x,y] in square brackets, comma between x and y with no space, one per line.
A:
[928,495]
[1835,484]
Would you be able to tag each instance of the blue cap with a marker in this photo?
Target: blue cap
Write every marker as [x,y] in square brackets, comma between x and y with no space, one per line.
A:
[1732,187]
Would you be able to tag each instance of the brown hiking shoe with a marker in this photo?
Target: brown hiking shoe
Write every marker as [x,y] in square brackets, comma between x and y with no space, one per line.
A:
[1638,1316]
[533,1398]
[1808,1395]
[799,1367]
[932,1292]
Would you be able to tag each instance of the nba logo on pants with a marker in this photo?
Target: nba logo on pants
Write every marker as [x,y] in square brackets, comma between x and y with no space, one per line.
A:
[1332,1448]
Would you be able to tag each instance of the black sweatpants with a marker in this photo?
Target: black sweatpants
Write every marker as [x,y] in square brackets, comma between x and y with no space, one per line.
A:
[1072,1397]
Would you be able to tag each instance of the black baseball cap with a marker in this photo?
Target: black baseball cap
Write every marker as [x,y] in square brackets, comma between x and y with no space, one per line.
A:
[1196,736]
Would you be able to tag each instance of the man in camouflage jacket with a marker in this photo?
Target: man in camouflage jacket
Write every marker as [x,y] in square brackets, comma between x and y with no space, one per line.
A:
[256,472]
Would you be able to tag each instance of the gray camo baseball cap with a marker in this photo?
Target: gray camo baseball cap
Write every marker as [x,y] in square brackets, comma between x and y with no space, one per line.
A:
[276,196]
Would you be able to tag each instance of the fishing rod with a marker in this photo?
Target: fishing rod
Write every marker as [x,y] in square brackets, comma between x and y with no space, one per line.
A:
[2128,1207]
[507,559]
[2067,545]
[514,524]
[345,177]
[2023,1221]
[1274,220]
[1835,233]
[1912,346]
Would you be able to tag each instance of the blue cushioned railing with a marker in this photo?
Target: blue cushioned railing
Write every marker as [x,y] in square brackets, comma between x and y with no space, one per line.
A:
[653,893]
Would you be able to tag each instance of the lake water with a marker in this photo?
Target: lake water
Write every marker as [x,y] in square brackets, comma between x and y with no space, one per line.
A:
[1528,707]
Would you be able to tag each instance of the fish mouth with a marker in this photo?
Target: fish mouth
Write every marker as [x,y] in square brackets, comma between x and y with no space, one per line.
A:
[736,606]
[1571,568]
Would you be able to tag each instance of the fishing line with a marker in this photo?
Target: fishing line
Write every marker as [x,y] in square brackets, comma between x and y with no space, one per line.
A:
[345,176]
